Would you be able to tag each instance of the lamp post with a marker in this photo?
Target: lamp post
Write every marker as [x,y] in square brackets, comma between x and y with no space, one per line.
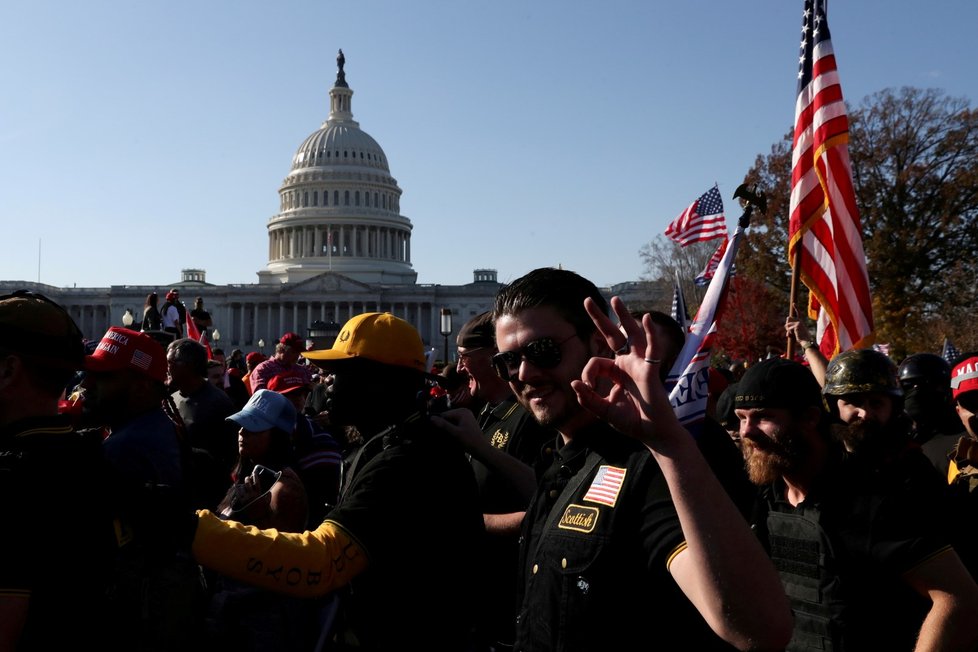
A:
[323,333]
[216,335]
[128,318]
[446,328]
[261,346]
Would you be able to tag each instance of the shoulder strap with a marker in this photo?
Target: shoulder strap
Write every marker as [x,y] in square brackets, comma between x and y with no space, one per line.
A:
[565,496]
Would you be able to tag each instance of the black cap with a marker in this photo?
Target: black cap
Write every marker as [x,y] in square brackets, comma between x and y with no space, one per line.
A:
[477,332]
[778,383]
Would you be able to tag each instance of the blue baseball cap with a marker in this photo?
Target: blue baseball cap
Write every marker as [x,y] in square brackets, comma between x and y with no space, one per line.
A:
[266,409]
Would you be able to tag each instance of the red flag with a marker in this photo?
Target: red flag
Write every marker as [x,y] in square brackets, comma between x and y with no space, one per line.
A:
[702,220]
[824,219]
[194,333]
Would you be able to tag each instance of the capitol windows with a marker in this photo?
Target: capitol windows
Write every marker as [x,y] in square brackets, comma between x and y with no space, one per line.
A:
[376,203]
[346,197]
[356,198]
[315,198]
[336,198]
[366,199]
[345,154]
[305,199]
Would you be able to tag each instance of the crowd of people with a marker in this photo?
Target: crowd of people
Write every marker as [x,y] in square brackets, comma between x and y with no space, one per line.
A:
[538,494]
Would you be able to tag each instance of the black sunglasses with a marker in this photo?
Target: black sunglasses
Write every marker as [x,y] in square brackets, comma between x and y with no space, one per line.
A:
[543,353]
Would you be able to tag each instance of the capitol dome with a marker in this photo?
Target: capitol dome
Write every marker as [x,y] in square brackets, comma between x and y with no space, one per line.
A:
[339,206]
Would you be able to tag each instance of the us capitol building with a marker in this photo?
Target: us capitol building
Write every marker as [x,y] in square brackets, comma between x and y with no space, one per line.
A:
[338,247]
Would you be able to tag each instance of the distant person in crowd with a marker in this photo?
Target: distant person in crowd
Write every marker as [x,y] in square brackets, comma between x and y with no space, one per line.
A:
[318,455]
[287,351]
[48,474]
[202,318]
[857,536]
[228,380]
[203,407]
[794,327]
[170,315]
[925,379]
[182,309]
[152,321]
[252,360]
[237,361]
[155,587]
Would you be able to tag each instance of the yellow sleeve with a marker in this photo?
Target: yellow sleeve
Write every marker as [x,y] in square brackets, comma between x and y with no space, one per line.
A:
[304,565]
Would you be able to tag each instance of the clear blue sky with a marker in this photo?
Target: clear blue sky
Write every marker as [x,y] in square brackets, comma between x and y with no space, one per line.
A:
[140,138]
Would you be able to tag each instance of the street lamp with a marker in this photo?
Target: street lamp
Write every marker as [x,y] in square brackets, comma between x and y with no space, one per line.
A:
[261,346]
[216,334]
[128,318]
[446,328]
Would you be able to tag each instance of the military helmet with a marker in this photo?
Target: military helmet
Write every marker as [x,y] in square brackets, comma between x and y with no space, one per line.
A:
[859,371]
[928,367]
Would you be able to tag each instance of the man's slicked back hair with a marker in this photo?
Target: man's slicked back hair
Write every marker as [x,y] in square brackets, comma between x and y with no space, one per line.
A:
[560,289]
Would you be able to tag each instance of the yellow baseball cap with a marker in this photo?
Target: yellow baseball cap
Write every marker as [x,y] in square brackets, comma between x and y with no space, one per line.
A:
[377,336]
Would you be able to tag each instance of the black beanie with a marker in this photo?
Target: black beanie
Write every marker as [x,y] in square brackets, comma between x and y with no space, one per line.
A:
[778,383]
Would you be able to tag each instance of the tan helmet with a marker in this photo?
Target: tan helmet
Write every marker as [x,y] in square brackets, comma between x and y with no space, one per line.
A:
[859,371]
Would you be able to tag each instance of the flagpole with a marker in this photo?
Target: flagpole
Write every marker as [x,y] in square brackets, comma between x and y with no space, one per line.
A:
[792,301]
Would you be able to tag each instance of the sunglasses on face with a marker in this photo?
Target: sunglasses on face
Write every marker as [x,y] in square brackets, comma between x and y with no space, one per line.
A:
[543,353]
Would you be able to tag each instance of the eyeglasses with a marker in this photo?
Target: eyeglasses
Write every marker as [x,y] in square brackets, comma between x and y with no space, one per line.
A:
[543,353]
[462,355]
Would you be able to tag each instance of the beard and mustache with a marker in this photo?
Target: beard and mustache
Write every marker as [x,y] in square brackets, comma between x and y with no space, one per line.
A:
[767,459]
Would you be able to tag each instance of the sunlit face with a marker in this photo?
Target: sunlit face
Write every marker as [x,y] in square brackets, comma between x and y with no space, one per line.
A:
[771,442]
[967,409]
[546,393]
[870,407]
[477,363]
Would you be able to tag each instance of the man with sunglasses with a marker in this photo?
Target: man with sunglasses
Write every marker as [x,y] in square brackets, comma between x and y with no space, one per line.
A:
[629,534]
[50,593]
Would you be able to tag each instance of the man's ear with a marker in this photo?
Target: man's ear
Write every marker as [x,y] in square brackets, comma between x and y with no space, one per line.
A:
[10,369]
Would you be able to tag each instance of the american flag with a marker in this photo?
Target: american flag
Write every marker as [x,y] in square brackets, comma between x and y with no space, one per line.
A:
[824,227]
[711,265]
[679,310]
[702,221]
[606,485]
[950,352]
[141,359]
[688,380]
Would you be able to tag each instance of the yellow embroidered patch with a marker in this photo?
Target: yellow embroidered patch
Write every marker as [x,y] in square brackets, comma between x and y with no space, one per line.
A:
[499,439]
[579,517]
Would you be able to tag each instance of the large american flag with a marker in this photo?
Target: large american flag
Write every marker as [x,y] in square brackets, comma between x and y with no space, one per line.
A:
[824,220]
[702,220]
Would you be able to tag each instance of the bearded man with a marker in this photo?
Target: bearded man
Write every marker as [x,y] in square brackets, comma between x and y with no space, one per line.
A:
[854,528]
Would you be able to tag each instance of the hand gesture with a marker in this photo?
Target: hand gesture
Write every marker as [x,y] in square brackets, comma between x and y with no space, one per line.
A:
[637,403]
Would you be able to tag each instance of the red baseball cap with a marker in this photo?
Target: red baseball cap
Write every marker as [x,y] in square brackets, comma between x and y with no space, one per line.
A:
[121,348]
[287,381]
[293,339]
[964,378]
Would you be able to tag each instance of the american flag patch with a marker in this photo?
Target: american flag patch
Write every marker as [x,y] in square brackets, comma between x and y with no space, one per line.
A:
[141,360]
[606,485]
